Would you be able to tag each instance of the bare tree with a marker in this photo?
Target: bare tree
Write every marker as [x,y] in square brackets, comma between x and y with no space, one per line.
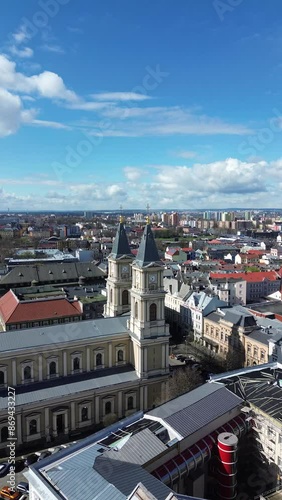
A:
[183,380]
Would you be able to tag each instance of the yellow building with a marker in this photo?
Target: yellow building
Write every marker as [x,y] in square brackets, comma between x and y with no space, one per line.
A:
[232,330]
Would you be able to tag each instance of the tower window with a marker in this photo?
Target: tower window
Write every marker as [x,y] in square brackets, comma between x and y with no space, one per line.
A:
[153,312]
[125,297]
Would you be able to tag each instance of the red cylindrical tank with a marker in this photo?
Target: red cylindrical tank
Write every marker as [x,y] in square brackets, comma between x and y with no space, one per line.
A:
[227,466]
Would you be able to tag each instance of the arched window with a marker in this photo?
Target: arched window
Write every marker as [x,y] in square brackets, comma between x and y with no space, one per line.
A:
[33,427]
[2,378]
[84,414]
[108,407]
[99,359]
[52,369]
[136,310]
[153,312]
[125,297]
[27,373]
[76,364]
[130,403]
[4,434]
[120,355]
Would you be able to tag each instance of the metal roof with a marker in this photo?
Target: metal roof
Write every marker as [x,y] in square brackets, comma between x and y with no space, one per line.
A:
[125,475]
[31,338]
[139,448]
[147,252]
[259,385]
[69,387]
[121,246]
[51,272]
[194,410]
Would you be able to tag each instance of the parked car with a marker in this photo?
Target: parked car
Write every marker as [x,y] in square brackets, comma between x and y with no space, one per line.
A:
[43,455]
[9,494]
[196,366]
[4,468]
[31,459]
[19,465]
[23,487]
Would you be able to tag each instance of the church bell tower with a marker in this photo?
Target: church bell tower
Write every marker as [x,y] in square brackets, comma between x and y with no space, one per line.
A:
[149,332]
[119,275]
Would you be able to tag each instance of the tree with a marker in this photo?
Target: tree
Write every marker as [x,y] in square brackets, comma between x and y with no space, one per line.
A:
[234,359]
[183,380]
[109,419]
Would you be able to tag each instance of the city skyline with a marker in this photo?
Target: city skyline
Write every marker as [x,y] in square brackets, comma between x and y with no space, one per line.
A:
[172,104]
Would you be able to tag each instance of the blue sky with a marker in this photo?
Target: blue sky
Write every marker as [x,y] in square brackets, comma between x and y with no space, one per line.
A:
[175,103]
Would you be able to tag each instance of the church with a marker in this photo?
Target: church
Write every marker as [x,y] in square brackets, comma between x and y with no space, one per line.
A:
[74,378]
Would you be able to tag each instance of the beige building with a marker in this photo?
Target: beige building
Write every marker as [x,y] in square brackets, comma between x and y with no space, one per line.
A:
[71,378]
[235,331]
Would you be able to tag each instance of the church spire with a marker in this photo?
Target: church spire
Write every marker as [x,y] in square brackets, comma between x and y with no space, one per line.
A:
[147,252]
[121,246]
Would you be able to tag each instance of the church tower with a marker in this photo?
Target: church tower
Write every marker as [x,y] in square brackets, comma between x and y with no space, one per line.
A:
[119,275]
[148,330]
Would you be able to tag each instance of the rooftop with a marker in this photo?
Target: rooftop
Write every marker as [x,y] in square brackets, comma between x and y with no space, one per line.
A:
[36,338]
[261,386]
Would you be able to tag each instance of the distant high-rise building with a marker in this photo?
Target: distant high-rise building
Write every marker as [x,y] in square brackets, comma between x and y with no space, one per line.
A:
[174,219]
[165,218]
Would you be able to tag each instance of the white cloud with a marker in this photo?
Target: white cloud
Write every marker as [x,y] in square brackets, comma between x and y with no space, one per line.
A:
[56,49]
[12,114]
[161,121]
[50,124]
[115,191]
[132,173]
[220,184]
[120,96]
[25,52]
[187,155]
[47,84]
[21,35]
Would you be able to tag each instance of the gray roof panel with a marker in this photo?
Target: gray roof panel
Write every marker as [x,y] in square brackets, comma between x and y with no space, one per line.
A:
[31,338]
[66,389]
[188,413]
[139,449]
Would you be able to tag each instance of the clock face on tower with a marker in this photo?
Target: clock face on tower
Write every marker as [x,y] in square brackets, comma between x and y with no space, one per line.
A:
[124,269]
[152,278]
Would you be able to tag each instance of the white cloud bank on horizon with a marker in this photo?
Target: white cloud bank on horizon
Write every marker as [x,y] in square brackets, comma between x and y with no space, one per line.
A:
[221,184]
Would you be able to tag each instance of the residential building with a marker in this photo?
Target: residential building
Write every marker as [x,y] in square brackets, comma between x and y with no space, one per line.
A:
[258,284]
[200,304]
[233,291]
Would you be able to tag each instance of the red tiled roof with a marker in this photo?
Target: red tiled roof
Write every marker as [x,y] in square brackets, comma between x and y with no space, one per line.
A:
[249,277]
[255,252]
[14,311]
